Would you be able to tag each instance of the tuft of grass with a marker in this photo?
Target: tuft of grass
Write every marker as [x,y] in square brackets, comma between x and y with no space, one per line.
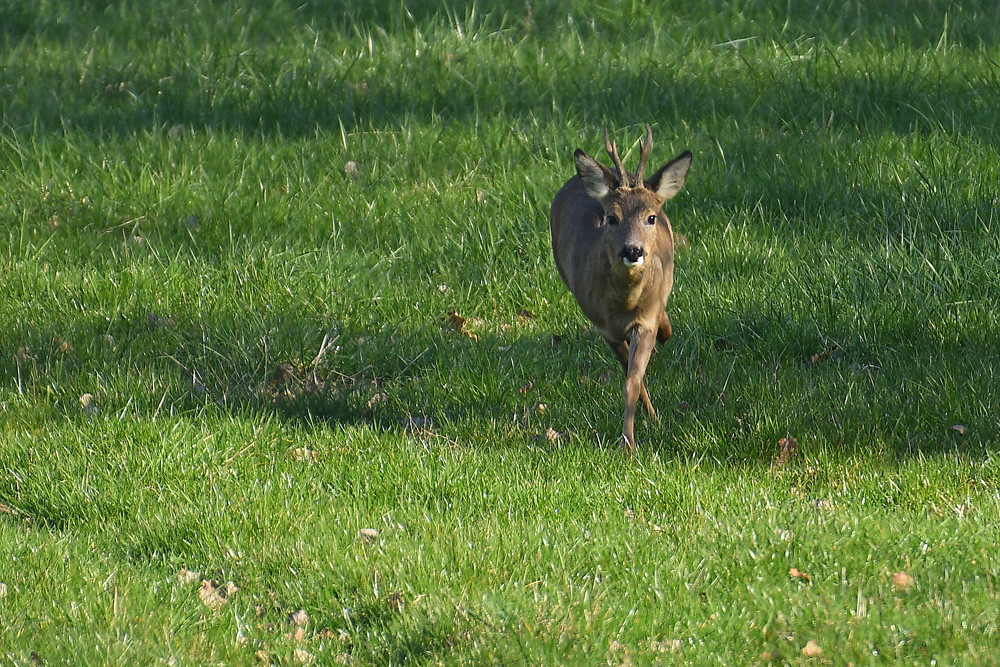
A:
[279,311]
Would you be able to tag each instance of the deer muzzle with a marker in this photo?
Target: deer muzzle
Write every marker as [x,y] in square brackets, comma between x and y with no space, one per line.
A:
[633,255]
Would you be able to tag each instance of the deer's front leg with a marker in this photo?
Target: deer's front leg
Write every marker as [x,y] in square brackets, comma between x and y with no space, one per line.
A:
[621,351]
[640,346]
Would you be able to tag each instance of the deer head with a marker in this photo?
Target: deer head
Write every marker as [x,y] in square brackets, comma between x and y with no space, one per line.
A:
[634,223]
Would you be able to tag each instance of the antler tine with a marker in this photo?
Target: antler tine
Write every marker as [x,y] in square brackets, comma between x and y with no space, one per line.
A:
[644,155]
[612,149]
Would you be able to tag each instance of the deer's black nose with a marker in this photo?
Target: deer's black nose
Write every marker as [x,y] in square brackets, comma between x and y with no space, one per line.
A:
[632,253]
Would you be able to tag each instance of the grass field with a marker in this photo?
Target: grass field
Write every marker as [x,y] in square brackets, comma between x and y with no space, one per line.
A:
[288,375]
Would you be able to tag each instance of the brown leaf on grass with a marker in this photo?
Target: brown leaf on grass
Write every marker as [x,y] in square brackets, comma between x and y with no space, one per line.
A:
[187,577]
[299,618]
[667,646]
[787,449]
[88,404]
[395,601]
[214,596]
[62,346]
[377,400]
[961,429]
[303,454]
[303,657]
[353,170]
[796,573]
[812,650]
[902,580]
[821,356]
[368,534]
[155,322]
[458,323]
[282,375]
[526,387]
[413,424]
[523,315]
[550,436]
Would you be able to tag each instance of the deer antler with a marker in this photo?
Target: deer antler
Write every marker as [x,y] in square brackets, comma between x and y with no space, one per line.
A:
[644,155]
[612,149]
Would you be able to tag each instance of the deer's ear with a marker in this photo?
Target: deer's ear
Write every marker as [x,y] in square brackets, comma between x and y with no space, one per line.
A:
[597,179]
[669,180]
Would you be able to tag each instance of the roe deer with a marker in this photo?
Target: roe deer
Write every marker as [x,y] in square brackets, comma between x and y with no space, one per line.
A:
[614,249]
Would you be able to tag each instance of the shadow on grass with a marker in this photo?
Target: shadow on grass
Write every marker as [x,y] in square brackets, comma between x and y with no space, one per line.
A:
[897,95]
[727,387]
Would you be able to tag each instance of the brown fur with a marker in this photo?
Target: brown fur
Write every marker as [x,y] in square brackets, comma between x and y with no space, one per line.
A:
[621,274]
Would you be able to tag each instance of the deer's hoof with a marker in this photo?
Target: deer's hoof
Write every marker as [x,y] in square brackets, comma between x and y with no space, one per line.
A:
[628,445]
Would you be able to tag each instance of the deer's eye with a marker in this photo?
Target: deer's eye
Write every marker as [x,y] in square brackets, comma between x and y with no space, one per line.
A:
[651,220]
[611,220]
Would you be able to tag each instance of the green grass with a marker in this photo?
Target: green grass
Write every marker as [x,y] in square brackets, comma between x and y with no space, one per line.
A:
[226,349]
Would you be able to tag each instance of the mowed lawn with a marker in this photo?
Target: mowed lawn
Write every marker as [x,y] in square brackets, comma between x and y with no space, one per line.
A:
[288,375]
